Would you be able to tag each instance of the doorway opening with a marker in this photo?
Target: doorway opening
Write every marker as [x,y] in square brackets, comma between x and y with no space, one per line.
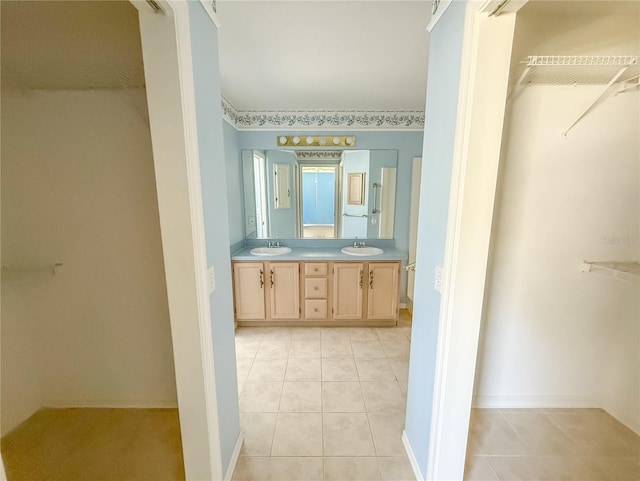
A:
[319,185]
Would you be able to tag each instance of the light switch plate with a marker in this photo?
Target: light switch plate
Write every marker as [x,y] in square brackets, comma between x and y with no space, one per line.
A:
[437,279]
[212,279]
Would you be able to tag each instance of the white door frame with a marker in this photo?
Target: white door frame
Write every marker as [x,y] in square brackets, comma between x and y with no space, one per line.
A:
[486,59]
[166,46]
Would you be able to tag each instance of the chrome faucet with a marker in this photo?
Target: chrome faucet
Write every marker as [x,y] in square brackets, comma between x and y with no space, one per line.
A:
[362,244]
[273,244]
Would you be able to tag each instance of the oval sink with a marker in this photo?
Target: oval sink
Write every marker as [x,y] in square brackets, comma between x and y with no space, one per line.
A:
[270,251]
[362,251]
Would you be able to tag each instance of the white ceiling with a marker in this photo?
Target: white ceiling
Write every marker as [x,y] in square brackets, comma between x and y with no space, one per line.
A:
[274,55]
[324,55]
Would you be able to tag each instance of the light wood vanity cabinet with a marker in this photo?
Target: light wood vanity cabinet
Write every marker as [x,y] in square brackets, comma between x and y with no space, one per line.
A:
[316,292]
[348,287]
[257,285]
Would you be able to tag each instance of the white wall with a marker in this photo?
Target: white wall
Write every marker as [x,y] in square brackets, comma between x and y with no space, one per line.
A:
[553,335]
[78,187]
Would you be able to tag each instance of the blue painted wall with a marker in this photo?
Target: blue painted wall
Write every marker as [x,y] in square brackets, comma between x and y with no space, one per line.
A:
[318,197]
[234,179]
[355,162]
[282,222]
[204,45]
[407,143]
[445,55]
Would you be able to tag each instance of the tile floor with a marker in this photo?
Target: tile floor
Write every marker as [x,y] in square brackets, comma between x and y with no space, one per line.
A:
[323,404]
[90,444]
[550,444]
[328,404]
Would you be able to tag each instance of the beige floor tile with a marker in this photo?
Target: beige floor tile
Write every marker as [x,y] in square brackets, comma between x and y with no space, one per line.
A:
[477,469]
[347,434]
[295,469]
[374,370]
[617,468]
[342,397]
[277,333]
[368,349]
[407,332]
[274,348]
[82,444]
[305,349]
[247,347]
[383,397]
[267,370]
[251,469]
[258,429]
[492,434]
[339,370]
[386,429]
[541,435]
[390,334]
[255,332]
[298,434]
[243,367]
[571,468]
[303,370]
[334,333]
[351,469]
[396,349]
[597,433]
[404,387]
[400,368]
[519,468]
[261,397]
[363,334]
[396,468]
[336,349]
[301,397]
[306,333]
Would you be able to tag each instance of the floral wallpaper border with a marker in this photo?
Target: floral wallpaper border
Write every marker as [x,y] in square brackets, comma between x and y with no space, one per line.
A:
[300,120]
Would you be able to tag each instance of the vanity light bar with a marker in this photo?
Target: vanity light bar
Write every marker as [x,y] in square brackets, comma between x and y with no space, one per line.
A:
[317,140]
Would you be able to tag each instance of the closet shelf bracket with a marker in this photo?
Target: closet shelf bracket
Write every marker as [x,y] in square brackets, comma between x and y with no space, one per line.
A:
[603,70]
[596,100]
[625,271]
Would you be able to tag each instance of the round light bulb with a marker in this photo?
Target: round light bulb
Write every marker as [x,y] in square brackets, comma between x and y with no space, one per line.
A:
[350,140]
[322,141]
[309,140]
[336,140]
[283,140]
[296,140]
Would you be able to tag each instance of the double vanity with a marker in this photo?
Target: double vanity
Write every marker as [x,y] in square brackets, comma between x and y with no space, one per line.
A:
[312,286]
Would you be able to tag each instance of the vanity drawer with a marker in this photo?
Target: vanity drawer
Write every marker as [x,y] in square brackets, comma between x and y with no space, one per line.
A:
[315,269]
[315,309]
[315,287]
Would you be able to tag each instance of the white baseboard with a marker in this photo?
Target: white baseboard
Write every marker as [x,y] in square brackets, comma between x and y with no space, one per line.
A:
[632,424]
[234,457]
[412,457]
[535,402]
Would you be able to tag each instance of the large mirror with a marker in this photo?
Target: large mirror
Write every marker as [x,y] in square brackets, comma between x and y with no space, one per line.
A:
[319,193]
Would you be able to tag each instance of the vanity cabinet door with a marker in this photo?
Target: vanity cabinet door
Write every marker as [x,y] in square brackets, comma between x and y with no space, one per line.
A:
[284,287]
[382,282]
[249,279]
[348,286]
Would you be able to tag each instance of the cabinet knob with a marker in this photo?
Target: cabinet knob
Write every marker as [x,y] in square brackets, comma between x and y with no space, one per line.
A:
[315,309]
[315,288]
